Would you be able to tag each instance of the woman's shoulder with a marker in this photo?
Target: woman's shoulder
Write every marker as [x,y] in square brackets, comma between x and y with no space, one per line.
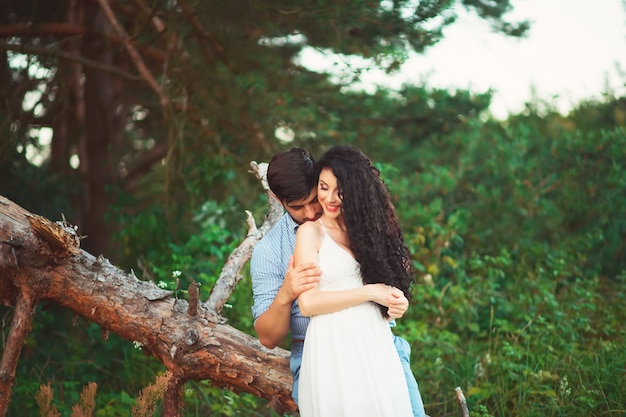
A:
[310,228]
[308,240]
[310,225]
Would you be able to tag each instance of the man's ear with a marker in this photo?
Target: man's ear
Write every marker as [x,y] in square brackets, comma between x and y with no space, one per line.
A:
[276,197]
[279,200]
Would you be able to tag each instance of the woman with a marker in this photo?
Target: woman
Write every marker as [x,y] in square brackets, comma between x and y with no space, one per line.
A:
[350,366]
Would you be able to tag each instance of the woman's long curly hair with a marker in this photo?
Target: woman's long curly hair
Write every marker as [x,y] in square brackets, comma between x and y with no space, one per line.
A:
[373,228]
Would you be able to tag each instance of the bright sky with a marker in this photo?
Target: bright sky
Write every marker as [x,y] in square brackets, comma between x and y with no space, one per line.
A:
[573,52]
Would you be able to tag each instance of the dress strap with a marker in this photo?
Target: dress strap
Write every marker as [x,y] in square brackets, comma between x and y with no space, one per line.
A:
[323,227]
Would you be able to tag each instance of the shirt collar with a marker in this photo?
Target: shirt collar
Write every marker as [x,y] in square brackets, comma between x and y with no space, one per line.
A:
[292,223]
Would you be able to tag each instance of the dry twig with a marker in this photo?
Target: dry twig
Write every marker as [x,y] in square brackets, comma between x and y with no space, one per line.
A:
[462,402]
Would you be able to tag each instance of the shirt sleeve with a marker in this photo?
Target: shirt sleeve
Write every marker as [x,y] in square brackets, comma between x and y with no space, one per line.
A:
[267,278]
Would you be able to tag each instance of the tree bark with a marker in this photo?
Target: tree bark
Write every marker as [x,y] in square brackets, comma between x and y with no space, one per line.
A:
[42,260]
[70,116]
[20,327]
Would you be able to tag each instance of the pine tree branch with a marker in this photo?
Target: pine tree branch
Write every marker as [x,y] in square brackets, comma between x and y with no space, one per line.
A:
[56,52]
[134,54]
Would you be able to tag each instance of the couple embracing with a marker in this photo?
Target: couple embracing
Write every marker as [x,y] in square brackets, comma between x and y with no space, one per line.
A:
[335,273]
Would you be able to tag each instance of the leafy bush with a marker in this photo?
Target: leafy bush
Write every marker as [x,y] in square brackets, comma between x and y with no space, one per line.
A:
[517,231]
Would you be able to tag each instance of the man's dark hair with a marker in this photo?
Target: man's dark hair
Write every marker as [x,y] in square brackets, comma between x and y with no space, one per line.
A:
[291,175]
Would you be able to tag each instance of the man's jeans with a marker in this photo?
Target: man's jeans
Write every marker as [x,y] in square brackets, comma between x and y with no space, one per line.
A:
[294,366]
[404,351]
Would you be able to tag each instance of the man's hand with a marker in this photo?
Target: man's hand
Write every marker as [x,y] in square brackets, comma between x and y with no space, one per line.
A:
[273,325]
[397,303]
[300,279]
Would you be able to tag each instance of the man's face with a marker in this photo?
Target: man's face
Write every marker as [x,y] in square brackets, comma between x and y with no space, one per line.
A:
[306,209]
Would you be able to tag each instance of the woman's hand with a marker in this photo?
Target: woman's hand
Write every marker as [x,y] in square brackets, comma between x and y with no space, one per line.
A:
[390,297]
[398,304]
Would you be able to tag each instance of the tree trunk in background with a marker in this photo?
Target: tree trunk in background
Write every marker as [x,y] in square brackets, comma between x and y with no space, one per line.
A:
[67,123]
[103,129]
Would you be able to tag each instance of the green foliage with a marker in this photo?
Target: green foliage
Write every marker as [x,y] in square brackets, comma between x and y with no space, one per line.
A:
[206,243]
[67,352]
[201,399]
[173,258]
[516,233]
[233,77]
[515,230]
[34,188]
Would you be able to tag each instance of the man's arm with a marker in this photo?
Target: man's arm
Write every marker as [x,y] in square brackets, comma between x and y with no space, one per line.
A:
[273,324]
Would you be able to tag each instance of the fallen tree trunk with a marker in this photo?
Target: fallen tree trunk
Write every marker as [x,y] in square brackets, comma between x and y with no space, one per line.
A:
[41,260]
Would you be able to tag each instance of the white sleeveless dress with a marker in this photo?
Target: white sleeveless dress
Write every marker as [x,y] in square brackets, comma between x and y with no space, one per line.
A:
[350,367]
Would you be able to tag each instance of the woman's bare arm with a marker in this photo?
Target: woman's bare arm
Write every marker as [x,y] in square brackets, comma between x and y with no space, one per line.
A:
[313,302]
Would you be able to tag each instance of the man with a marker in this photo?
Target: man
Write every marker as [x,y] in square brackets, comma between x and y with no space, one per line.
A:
[276,283]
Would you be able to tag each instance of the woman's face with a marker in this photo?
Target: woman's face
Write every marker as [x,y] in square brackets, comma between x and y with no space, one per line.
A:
[328,193]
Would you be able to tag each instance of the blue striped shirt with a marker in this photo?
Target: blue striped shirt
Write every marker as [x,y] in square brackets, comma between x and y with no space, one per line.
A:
[268,267]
